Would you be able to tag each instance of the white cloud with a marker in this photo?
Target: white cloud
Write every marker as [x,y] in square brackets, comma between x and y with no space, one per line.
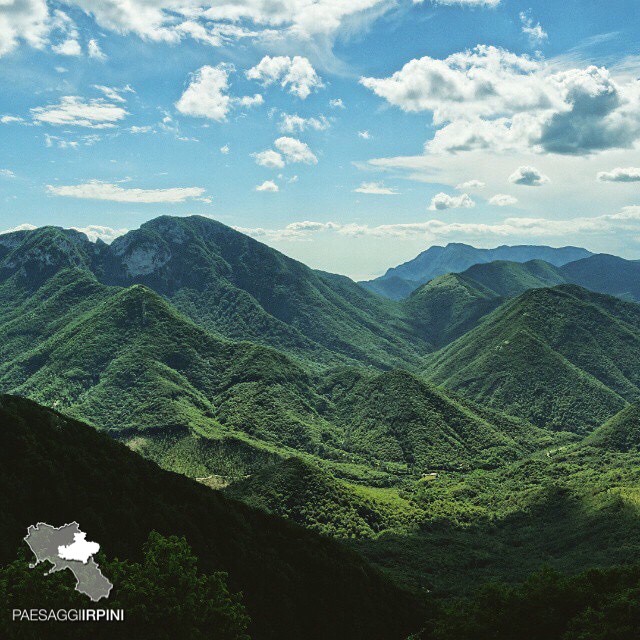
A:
[471,184]
[25,21]
[503,200]
[7,173]
[66,143]
[75,111]
[365,135]
[489,98]
[465,3]
[534,31]
[225,149]
[308,225]
[69,47]
[376,188]
[94,50]
[114,93]
[207,94]
[215,22]
[269,158]
[296,73]
[268,185]
[443,201]
[7,119]
[434,230]
[207,21]
[293,123]
[106,234]
[336,103]
[25,226]
[97,190]
[295,150]
[140,129]
[628,174]
[528,177]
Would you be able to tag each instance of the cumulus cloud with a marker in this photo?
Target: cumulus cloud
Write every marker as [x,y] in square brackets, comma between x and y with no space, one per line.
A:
[336,103]
[25,21]
[207,94]
[443,201]
[25,226]
[297,74]
[7,173]
[492,99]
[528,177]
[97,190]
[471,184]
[376,188]
[94,50]
[628,174]
[293,123]
[503,200]
[225,149]
[215,22]
[269,158]
[106,234]
[8,119]
[268,185]
[69,47]
[78,112]
[534,31]
[365,135]
[295,150]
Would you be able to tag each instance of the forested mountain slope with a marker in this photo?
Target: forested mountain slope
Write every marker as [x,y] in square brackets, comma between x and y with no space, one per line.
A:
[563,358]
[229,284]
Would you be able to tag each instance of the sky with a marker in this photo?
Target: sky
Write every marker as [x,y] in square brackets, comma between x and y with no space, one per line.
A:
[349,134]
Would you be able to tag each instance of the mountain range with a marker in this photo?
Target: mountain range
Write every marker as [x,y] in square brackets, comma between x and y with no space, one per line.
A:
[398,282]
[437,435]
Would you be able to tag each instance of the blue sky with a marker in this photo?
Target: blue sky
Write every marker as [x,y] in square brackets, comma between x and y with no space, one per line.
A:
[348,134]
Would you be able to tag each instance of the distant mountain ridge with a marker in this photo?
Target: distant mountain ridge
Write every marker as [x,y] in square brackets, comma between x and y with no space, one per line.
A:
[400,281]
[448,306]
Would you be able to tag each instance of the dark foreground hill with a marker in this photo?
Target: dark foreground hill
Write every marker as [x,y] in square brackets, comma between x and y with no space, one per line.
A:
[399,281]
[563,358]
[295,583]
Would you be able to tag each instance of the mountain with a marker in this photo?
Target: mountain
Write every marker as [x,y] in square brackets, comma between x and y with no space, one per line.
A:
[397,418]
[230,284]
[563,358]
[126,361]
[131,364]
[399,281]
[620,433]
[606,274]
[294,583]
[310,496]
[448,306]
